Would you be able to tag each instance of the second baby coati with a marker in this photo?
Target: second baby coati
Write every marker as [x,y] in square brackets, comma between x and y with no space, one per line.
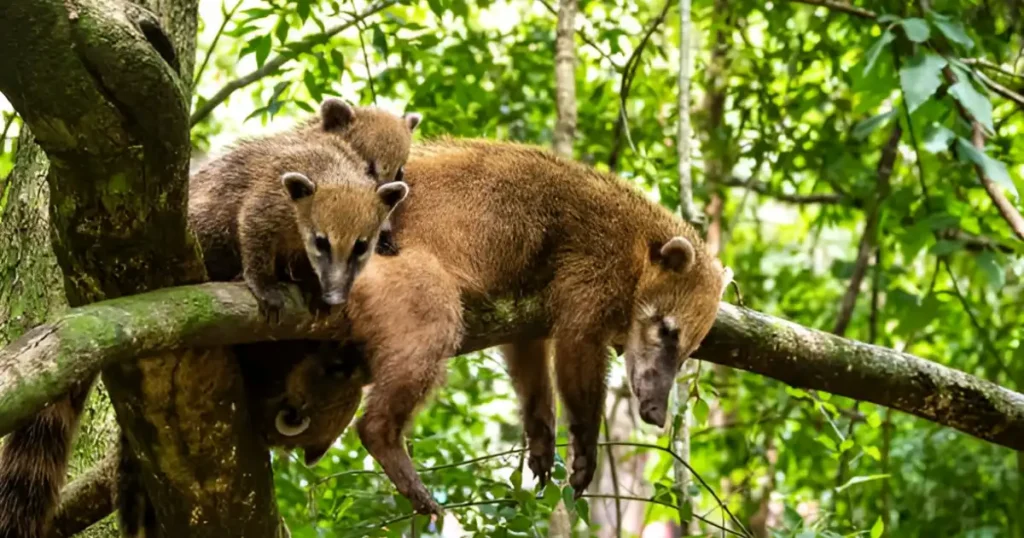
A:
[486,220]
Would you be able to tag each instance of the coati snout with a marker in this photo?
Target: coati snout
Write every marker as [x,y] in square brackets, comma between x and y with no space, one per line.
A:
[337,248]
[674,313]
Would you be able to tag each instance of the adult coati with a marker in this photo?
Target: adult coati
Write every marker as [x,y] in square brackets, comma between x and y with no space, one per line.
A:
[487,219]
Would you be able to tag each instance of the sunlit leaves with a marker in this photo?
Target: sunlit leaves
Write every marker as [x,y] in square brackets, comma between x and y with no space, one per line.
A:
[920,77]
[992,168]
[877,528]
[952,29]
[938,139]
[876,50]
[863,129]
[976,104]
[916,29]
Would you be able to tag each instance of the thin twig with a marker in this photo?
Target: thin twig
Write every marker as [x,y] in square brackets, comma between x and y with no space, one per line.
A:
[611,466]
[839,6]
[981,62]
[999,89]
[867,242]
[275,63]
[366,62]
[662,503]
[988,345]
[765,190]
[213,44]
[676,457]
[628,74]
[399,519]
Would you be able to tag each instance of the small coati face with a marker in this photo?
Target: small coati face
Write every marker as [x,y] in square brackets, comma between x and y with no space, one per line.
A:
[381,138]
[677,302]
[339,226]
[303,394]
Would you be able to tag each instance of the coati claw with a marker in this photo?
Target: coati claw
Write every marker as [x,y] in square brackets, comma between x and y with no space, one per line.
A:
[542,457]
[318,307]
[271,300]
[423,503]
[584,464]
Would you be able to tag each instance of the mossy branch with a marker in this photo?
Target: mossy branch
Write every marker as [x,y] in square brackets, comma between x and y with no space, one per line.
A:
[49,359]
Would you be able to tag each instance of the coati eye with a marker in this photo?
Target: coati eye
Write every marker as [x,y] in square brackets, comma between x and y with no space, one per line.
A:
[667,331]
[400,174]
[359,248]
[371,169]
[322,243]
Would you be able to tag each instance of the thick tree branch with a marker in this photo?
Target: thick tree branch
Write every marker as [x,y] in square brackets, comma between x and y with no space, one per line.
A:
[272,65]
[87,500]
[43,363]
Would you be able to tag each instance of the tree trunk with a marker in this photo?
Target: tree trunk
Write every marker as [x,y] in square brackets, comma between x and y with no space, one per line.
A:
[118,142]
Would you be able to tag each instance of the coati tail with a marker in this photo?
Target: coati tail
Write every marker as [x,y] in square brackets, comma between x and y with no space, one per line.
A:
[33,467]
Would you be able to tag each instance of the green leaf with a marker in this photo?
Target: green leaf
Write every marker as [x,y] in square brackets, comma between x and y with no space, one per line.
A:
[828,442]
[379,41]
[938,139]
[701,411]
[974,101]
[989,265]
[870,125]
[262,47]
[314,89]
[303,9]
[339,60]
[917,30]
[551,495]
[944,247]
[874,420]
[954,31]
[873,452]
[992,168]
[860,480]
[567,498]
[517,479]
[437,7]
[877,528]
[847,444]
[281,30]
[876,50]
[583,510]
[920,77]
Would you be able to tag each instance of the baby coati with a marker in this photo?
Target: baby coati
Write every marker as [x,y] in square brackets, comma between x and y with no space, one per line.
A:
[486,220]
[285,208]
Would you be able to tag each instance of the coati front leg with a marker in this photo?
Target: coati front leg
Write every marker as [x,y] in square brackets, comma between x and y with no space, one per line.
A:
[528,367]
[258,245]
[407,311]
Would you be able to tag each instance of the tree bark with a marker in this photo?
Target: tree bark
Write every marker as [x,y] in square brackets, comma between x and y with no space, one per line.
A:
[565,78]
[100,84]
[43,363]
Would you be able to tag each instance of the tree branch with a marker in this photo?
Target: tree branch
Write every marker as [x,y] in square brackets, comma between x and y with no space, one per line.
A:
[44,362]
[839,6]
[764,189]
[87,500]
[274,64]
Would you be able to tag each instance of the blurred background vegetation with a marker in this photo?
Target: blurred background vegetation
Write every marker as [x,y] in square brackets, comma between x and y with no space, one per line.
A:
[794,105]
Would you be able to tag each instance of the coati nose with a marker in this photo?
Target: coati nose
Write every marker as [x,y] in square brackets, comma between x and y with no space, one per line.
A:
[335,298]
[652,413]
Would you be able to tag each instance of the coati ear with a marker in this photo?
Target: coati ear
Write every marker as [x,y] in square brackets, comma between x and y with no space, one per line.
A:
[392,193]
[676,254]
[726,279]
[312,453]
[413,119]
[299,186]
[336,114]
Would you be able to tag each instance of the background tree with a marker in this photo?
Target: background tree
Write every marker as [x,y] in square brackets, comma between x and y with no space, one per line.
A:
[858,164]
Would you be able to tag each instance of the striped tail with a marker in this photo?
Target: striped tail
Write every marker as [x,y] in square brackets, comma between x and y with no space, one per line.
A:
[34,464]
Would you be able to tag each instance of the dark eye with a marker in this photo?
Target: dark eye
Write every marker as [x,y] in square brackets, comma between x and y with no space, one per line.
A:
[359,248]
[322,243]
[400,175]
[667,332]
[371,169]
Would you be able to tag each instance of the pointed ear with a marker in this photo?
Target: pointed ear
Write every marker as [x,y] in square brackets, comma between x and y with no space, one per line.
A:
[299,186]
[313,453]
[726,279]
[676,254]
[413,119]
[336,114]
[392,193]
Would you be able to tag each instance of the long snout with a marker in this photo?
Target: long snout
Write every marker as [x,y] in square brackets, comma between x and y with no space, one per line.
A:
[335,286]
[335,297]
[652,388]
[654,413]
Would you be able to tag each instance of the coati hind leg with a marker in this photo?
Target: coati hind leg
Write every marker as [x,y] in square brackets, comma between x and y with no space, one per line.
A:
[528,368]
[407,311]
[581,366]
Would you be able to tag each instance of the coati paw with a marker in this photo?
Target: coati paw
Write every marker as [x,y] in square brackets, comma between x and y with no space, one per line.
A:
[542,458]
[424,503]
[584,464]
[318,308]
[271,300]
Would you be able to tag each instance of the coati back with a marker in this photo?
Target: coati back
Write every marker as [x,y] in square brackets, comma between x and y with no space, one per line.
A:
[486,220]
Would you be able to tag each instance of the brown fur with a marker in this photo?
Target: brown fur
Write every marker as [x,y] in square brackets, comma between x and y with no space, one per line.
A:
[488,219]
[33,467]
